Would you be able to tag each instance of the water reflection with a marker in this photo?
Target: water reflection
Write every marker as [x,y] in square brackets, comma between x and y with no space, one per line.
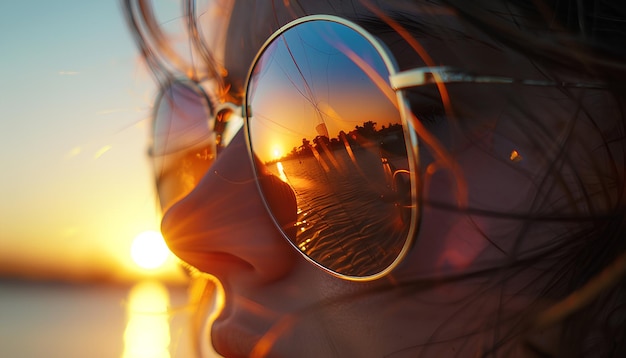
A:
[147,333]
[281,172]
[353,215]
[338,124]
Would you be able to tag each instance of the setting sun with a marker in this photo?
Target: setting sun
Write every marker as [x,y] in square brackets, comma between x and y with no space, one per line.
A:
[149,250]
[277,152]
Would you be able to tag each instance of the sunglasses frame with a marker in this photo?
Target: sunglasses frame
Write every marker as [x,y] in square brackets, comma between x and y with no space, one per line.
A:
[232,118]
[411,141]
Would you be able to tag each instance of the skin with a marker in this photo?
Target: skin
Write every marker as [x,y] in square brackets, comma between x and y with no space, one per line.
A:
[278,304]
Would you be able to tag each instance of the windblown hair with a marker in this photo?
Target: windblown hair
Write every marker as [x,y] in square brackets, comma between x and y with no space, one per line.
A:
[588,286]
[587,292]
[166,62]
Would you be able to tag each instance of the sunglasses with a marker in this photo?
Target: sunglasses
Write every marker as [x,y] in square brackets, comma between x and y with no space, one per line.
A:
[325,114]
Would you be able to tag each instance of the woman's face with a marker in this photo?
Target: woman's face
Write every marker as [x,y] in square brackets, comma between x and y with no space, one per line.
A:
[279,304]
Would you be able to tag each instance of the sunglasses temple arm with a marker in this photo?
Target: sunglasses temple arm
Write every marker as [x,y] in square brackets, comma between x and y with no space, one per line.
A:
[431,75]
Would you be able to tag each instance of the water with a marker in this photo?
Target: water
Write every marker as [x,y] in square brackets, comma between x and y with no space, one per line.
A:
[351,215]
[67,321]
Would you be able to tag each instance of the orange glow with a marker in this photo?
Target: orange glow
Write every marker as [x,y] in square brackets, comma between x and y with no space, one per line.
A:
[147,333]
[277,152]
[515,156]
[149,250]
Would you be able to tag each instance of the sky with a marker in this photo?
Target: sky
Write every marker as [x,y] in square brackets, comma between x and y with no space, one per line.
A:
[306,91]
[75,184]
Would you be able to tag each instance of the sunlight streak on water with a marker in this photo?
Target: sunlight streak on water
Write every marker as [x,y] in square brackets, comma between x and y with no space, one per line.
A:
[147,333]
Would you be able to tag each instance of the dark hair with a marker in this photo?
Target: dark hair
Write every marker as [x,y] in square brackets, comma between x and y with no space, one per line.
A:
[586,37]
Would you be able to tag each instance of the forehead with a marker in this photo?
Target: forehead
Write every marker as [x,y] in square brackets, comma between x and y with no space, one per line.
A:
[244,26]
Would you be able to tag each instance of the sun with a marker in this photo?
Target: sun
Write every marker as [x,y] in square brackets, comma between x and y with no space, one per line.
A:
[277,153]
[149,250]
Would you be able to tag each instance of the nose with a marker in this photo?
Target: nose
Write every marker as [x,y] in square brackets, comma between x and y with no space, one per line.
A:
[222,227]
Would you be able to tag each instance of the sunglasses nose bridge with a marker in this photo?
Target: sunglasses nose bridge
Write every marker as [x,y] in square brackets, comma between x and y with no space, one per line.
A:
[227,121]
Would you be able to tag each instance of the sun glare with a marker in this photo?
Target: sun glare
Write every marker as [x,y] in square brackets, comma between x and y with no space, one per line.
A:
[277,152]
[149,250]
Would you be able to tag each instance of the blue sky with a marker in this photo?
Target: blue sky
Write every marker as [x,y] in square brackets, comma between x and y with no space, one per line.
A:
[75,185]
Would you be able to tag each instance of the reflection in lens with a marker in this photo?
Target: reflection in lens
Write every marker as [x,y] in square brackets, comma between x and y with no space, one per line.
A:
[181,118]
[319,94]
[183,144]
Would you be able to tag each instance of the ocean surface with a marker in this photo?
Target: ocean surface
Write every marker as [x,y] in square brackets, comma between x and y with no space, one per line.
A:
[352,207]
[41,319]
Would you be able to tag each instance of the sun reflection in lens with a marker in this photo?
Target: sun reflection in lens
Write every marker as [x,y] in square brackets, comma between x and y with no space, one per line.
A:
[147,333]
[277,153]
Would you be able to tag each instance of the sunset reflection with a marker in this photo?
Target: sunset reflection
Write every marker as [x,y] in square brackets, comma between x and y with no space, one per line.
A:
[343,150]
[147,332]
[281,172]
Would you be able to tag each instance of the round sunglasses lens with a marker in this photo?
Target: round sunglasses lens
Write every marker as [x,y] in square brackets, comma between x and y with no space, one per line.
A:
[183,145]
[323,118]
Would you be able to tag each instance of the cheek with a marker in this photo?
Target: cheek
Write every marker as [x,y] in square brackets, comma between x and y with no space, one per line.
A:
[498,180]
[452,239]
